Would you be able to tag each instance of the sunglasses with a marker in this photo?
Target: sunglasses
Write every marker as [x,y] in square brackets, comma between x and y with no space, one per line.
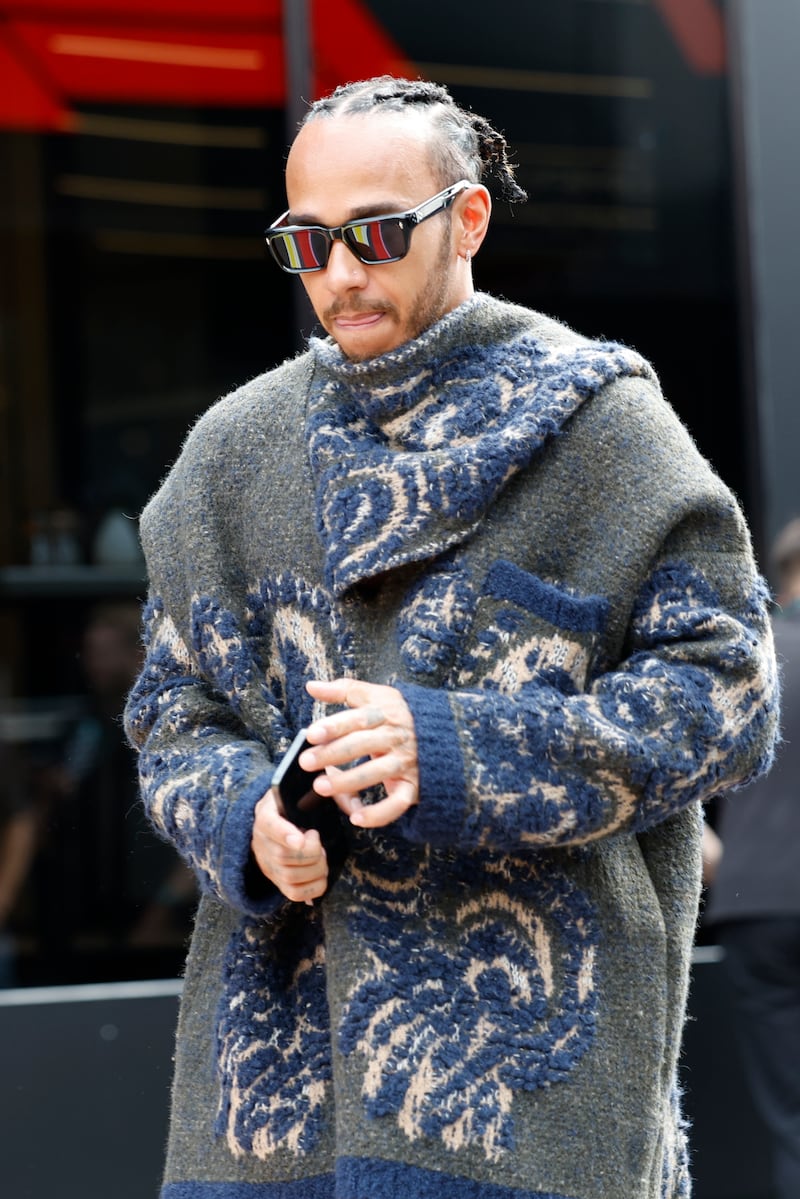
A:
[299,249]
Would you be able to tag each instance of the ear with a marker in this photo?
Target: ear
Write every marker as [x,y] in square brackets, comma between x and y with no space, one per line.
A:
[473,214]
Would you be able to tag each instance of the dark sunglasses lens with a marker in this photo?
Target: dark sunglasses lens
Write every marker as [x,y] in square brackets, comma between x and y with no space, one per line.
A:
[305,250]
[378,241]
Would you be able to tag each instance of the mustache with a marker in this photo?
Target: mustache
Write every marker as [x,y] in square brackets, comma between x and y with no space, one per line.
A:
[356,307]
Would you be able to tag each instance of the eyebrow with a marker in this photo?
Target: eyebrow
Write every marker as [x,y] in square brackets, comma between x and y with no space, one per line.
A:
[365,212]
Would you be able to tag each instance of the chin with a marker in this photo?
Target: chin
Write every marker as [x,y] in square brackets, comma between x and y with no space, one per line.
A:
[359,349]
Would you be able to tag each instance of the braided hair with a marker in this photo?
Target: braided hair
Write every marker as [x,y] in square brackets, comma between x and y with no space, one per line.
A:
[465,145]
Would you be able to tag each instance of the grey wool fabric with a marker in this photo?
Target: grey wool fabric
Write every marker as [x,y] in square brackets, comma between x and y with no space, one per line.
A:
[507,522]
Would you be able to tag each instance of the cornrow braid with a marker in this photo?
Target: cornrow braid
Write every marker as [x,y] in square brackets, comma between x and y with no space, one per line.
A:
[464,146]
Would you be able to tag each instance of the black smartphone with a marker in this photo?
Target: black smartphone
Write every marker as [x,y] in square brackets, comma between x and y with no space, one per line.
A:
[301,805]
[299,800]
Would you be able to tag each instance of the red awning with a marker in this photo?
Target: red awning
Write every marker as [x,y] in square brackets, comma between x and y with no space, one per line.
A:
[56,54]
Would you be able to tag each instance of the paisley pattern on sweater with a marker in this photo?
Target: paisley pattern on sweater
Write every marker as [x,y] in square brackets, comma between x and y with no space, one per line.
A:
[410,467]
[554,756]
[436,617]
[454,1015]
[296,635]
[200,753]
[274,1036]
[527,630]
[225,707]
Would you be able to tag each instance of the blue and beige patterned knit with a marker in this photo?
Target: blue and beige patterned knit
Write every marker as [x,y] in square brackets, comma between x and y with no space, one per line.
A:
[507,522]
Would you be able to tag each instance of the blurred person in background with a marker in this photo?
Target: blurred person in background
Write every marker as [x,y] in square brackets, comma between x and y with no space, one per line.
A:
[754,901]
[18,841]
[83,877]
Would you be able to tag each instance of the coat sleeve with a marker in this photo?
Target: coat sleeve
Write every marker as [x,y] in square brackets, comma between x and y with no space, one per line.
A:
[201,772]
[206,725]
[689,709]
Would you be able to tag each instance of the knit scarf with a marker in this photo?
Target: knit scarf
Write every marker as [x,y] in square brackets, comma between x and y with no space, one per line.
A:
[409,450]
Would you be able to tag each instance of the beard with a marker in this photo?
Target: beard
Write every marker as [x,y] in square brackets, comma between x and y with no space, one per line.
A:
[433,299]
[429,305]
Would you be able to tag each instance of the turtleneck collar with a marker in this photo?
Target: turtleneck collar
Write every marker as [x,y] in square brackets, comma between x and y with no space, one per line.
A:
[410,449]
[385,386]
[410,353]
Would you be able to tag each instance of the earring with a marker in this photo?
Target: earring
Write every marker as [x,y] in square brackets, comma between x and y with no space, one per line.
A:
[468,257]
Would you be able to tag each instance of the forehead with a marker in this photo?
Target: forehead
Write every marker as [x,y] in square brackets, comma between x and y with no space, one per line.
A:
[338,165]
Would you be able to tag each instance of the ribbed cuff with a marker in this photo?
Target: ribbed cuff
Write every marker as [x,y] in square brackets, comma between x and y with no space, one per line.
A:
[243,885]
[438,818]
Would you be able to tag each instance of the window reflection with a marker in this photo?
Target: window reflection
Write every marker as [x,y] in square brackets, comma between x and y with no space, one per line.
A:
[89,891]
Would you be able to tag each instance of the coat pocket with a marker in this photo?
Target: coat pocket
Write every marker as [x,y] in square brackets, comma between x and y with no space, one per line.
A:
[529,631]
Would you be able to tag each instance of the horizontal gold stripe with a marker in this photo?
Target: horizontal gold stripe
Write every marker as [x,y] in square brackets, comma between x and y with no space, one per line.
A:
[178,133]
[629,87]
[581,156]
[177,245]
[166,53]
[626,218]
[168,195]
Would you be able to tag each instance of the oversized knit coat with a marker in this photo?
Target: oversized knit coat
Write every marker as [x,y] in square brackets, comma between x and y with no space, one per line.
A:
[509,523]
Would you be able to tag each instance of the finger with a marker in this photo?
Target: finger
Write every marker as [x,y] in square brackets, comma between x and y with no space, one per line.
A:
[364,774]
[350,692]
[295,882]
[270,823]
[305,847]
[346,802]
[341,724]
[386,811]
[304,892]
[277,840]
[297,879]
[364,743]
[298,874]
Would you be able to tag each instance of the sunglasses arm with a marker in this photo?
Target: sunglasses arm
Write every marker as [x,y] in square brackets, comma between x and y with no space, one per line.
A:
[442,200]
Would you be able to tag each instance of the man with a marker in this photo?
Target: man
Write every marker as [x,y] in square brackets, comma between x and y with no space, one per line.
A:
[755,901]
[478,555]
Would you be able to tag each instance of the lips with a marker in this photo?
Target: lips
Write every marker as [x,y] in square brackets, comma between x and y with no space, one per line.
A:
[357,320]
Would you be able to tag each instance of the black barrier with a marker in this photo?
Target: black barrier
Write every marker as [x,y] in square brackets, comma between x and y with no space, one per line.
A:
[729,1145]
[85,1089]
[86,1073]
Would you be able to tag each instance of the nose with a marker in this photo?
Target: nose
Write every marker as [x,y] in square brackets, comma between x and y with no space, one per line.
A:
[344,271]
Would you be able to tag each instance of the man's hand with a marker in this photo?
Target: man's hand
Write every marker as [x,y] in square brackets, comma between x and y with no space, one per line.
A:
[377,725]
[291,858]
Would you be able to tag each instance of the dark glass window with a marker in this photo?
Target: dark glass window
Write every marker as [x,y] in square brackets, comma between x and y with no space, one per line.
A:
[135,290]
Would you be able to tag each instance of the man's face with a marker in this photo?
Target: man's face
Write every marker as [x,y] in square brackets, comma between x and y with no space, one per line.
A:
[347,167]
